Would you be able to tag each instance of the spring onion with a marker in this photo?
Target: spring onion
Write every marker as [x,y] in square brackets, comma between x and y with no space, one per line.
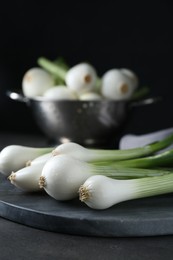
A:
[60,61]
[59,92]
[40,159]
[90,96]
[140,93]
[163,159]
[132,76]
[15,157]
[89,155]
[27,178]
[62,175]
[53,68]
[36,81]
[116,85]
[101,192]
[81,78]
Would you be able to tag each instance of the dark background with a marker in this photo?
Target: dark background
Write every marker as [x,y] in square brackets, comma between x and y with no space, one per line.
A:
[131,34]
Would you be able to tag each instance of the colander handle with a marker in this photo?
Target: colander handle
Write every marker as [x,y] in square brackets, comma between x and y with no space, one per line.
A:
[144,102]
[16,96]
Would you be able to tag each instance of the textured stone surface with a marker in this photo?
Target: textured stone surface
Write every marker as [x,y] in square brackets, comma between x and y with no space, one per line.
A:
[144,217]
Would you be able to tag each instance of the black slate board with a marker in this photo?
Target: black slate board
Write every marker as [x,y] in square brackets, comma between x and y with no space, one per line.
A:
[142,217]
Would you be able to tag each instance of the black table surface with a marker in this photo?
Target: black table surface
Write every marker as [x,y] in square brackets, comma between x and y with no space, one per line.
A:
[18,241]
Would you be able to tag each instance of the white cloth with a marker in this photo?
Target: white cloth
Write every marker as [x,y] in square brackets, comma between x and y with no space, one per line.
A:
[132,141]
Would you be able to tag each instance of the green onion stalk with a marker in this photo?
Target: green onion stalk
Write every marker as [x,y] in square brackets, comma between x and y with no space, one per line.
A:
[55,68]
[101,192]
[104,156]
[164,159]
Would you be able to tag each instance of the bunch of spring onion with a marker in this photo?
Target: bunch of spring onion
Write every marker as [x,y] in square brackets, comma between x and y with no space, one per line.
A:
[55,80]
[25,170]
[15,157]
[63,170]
[72,164]
[101,192]
[82,79]
[62,175]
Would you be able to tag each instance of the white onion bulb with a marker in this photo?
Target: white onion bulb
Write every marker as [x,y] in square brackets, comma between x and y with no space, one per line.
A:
[35,82]
[90,96]
[81,78]
[15,157]
[116,85]
[59,93]
[132,76]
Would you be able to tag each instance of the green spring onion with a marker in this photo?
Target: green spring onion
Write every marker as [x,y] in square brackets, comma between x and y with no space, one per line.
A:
[52,67]
[62,175]
[94,155]
[101,192]
[15,157]
[164,159]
